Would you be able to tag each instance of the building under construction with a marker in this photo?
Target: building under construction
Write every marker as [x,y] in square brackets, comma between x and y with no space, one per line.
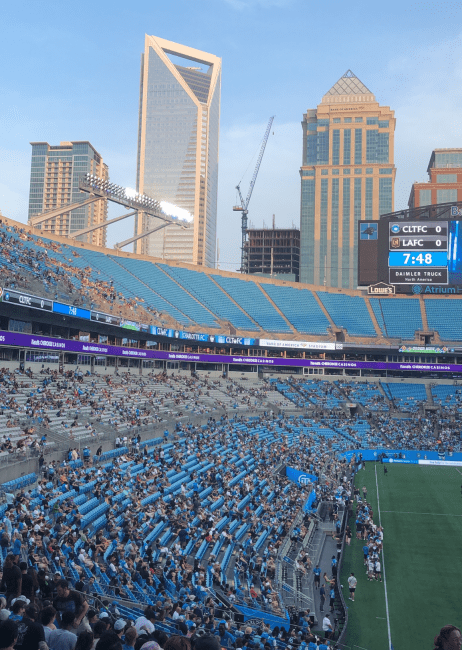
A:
[274,252]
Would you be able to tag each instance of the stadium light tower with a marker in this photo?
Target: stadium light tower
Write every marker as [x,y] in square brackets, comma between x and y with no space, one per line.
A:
[101,189]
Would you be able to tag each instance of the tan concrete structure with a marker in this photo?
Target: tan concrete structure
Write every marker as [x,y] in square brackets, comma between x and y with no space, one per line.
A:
[178,147]
[347,175]
[55,173]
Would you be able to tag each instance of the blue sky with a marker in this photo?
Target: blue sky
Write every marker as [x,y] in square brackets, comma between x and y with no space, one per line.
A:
[70,71]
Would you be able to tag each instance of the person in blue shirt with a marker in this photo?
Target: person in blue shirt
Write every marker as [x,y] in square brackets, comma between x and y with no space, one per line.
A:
[18,609]
[332,599]
[312,645]
[365,553]
[317,576]
[226,638]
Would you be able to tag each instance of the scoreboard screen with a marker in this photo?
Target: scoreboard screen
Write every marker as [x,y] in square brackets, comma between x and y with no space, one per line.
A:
[417,252]
[413,256]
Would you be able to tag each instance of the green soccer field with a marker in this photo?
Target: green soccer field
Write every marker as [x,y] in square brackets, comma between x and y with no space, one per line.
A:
[421,513]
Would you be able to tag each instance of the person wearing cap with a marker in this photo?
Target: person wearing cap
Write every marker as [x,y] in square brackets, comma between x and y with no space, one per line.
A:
[226,638]
[119,627]
[18,607]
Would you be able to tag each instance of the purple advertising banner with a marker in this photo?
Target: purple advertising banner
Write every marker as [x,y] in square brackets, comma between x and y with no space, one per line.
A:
[64,345]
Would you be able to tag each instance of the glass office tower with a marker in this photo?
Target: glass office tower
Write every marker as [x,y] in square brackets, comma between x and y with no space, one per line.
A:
[54,181]
[178,147]
[347,175]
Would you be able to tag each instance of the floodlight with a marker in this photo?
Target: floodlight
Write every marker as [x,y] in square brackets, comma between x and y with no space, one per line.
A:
[175,211]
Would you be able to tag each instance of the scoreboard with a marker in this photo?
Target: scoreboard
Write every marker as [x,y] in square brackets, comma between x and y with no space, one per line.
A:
[413,256]
[418,252]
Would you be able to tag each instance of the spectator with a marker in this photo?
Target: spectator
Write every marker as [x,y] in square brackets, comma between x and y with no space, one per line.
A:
[84,641]
[130,638]
[8,635]
[64,638]
[11,579]
[327,627]
[70,600]
[449,638]
[47,618]
[30,631]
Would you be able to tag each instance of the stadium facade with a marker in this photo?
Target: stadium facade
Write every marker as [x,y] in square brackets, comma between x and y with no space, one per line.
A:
[66,303]
[178,140]
[347,175]
[54,181]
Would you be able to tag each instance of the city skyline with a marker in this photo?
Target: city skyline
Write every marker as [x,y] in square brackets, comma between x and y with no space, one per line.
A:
[260,80]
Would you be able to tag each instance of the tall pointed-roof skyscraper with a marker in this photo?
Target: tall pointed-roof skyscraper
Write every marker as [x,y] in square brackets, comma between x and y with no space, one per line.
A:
[178,147]
[347,175]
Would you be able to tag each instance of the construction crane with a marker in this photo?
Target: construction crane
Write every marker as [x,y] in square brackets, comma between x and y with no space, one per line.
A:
[244,207]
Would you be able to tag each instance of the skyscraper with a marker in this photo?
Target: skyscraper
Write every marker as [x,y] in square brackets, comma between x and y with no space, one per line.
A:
[178,147]
[347,175]
[54,181]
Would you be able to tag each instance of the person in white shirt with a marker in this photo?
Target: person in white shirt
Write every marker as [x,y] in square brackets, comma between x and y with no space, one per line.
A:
[146,622]
[352,582]
[327,626]
[377,571]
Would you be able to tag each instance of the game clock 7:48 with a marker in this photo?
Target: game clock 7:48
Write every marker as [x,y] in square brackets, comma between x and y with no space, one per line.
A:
[418,258]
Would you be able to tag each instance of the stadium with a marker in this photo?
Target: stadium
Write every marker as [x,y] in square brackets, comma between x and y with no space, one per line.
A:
[186,446]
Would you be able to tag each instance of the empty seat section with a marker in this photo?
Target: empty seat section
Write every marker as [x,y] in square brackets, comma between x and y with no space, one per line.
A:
[349,312]
[253,301]
[110,268]
[401,316]
[164,286]
[407,397]
[445,316]
[206,291]
[300,308]
[377,309]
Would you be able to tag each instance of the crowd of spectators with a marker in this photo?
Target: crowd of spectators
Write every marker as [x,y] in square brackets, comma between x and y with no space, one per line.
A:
[163,526]
[54,267]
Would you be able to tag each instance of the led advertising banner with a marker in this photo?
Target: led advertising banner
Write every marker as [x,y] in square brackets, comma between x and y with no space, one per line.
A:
[43,342]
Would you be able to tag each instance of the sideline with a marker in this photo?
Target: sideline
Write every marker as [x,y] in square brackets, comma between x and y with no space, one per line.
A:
[433,514]
[383,563]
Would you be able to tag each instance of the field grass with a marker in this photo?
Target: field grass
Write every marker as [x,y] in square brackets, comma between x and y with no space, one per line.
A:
[421,513]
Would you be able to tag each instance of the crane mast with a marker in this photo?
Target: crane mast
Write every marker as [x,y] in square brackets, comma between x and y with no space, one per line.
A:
[244,207]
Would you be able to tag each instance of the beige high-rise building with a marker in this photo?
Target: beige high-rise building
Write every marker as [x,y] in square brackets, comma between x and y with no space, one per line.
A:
[178,147]
[347,176]
[55,174]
